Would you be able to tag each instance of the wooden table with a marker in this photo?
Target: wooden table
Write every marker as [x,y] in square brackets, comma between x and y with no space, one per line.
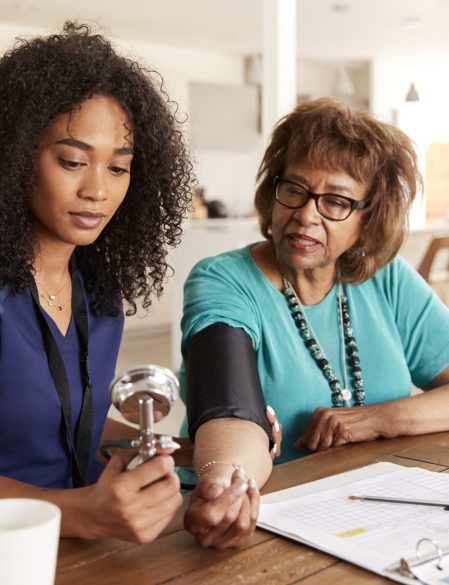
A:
[175,558]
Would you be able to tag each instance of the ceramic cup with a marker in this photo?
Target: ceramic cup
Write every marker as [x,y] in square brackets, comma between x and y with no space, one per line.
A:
[29,539]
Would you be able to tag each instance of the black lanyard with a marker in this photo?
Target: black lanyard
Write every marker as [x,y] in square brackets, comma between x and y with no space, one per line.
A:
[80,441]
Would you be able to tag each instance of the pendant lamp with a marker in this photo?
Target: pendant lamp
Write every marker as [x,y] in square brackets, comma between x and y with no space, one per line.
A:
[412,94]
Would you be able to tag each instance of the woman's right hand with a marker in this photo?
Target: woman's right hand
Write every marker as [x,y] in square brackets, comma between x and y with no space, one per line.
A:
[222,516]
[132,505]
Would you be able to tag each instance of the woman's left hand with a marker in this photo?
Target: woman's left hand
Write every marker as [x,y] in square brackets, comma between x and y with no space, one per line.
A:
[333,427]
[223,517]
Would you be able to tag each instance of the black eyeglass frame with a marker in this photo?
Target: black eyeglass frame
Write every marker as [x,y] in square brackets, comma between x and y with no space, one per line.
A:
[355,204]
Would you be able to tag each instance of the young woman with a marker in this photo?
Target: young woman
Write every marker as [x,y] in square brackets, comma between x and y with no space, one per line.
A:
[94,184]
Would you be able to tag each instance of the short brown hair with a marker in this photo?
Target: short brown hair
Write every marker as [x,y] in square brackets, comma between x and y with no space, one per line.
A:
[328,134]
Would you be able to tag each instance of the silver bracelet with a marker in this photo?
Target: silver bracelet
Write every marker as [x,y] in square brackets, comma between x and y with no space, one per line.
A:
[209,464]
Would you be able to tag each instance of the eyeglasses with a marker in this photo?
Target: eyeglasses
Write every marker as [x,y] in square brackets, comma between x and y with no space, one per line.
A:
[329,206]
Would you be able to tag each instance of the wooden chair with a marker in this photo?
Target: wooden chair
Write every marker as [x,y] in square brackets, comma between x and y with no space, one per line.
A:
[436,275]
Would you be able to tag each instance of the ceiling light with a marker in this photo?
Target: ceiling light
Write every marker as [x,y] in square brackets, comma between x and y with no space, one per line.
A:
[341,7]
[412,94]
[412,23]
[253,69]
[343,84]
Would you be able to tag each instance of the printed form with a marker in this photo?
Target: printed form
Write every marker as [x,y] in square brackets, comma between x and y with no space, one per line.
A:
[373,535]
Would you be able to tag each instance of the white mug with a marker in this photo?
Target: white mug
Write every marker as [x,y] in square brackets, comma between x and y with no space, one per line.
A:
[29,539]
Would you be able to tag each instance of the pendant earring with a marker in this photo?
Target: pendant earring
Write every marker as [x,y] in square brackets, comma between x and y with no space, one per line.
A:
[356,251]
[269,230]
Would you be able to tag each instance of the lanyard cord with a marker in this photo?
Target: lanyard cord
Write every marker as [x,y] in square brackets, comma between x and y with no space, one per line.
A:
[81,442]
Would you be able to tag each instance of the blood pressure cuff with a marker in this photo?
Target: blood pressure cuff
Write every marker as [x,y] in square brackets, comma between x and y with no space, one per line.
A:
[222,378]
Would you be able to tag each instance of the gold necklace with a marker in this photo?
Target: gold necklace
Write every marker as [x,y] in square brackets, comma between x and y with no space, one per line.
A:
[59,307]
[51,297]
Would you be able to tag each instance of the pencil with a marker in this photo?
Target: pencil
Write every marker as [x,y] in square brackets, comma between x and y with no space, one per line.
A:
[444,505]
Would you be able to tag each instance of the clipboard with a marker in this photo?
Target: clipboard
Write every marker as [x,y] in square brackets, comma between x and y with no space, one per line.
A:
[408,550]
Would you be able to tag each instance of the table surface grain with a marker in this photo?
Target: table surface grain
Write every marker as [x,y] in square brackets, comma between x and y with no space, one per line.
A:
[175,558]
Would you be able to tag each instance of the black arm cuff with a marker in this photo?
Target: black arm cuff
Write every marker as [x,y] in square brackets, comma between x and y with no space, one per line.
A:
[222,378]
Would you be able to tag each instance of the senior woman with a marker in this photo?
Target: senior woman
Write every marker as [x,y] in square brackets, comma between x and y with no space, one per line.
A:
[322,320]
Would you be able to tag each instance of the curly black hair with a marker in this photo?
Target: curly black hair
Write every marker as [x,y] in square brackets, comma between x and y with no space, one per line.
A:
[43,78]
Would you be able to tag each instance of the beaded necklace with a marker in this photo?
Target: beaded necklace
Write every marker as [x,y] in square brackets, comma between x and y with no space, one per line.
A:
[340,396]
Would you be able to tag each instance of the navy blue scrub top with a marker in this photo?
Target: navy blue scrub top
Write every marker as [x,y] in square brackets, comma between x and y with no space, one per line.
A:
[33,442]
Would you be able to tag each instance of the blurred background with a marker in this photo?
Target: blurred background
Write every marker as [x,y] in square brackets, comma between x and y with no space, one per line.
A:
[235,68]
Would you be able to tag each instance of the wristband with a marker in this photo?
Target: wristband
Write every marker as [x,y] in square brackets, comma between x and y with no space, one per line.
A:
[209,464]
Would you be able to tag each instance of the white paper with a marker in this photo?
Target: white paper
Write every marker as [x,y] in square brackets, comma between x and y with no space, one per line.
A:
[370,534]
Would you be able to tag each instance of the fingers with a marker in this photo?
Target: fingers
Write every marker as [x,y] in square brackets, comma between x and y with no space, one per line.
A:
[209,489]
[149,472]
[145,487]
[276,430]
[334,427]
[300,443]
[135,505]
[243,527]
[318,432]
[227,521]
[237,515]
[146,523]
[239,531]
[254,498]
[312,434]
[331,428]
[155,493]
[210,513]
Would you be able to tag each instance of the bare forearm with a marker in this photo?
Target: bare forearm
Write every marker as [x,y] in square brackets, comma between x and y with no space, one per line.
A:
[115,429]
[233,441]
[74,518]
[414,415]
[135,505]
[417,415]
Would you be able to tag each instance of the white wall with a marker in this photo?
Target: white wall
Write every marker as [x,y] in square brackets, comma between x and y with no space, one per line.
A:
[390,81]
[425,121]
[227,174]
[178,65]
